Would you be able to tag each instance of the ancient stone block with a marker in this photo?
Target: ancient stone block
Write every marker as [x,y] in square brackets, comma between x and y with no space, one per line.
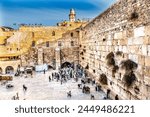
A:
[140,31]
[118,35]
[130,41]
[141,60]
[147,61]
[144,50]
[147,30]
[138,40]
[133,57]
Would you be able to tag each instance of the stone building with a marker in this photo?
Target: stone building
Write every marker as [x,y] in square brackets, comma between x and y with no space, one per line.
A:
[114,47]
[37,45]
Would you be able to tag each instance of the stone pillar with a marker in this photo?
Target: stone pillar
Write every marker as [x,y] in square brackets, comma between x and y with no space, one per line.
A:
[57,55]
[40,56]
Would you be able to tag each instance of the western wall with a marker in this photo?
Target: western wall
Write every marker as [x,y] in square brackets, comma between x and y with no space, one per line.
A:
[116,46]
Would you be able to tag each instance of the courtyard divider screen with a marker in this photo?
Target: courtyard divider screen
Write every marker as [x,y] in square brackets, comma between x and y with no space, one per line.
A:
[39,68]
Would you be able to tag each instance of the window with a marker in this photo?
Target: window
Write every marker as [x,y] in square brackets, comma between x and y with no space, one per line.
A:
[59,43]
[33,43]
[47,44]
[32,34]
[71,34]
[53,33]
[72,43]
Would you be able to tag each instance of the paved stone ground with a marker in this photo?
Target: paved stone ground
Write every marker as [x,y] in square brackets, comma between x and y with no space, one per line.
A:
[39,88]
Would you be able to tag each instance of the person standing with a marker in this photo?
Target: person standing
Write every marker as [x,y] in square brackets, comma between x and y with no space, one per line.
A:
[49,78]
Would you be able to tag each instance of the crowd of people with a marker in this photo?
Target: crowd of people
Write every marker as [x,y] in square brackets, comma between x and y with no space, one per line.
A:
[66,73]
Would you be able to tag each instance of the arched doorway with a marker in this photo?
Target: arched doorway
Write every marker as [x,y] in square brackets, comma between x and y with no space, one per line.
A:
[66,64]
[50,67]
[9,70]
[1,70]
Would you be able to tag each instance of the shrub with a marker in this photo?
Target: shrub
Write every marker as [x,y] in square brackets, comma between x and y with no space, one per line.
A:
[115,69]
[110,55]
[129,79]
[129,65]
[119,53]
[103,79]
[111,62]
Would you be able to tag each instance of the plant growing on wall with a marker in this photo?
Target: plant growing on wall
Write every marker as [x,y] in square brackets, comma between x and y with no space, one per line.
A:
[114,70]
[111,63]
[110,59]
[103,79]
[119,53]
[129,65]
[110,55]
[129,77]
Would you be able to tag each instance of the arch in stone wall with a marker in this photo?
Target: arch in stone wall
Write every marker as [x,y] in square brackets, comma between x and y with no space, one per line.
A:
[66,64]
[9,70]
[1,71]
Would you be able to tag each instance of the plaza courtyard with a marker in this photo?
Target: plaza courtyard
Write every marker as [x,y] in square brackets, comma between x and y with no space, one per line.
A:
[39,88]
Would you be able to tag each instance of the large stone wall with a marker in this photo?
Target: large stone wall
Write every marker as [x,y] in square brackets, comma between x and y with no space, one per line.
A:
[123,28]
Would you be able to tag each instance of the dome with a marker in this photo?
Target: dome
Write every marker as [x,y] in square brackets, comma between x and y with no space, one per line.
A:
[72,11]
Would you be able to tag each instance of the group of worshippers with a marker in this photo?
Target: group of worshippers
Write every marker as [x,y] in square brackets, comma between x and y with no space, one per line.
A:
[67,73]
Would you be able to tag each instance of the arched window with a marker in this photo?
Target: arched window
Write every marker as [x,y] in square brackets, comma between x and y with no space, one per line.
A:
[71,34]
[9,70]
[59,43]
[72,43]
[47,43]
[33,43]
[53,33]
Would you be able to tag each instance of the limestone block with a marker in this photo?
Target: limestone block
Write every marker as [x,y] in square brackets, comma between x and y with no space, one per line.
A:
[116,48]
[110,37]
[138,40]
[140,31]
[130,41]
[146,40]
[133,57]
[120,48]
[118,35]
[147,71]
[125,50]
[144,50]
[141,60]
[146,80]
[147,61]
[109,42]
[148,48]
[147,30]
[116,88]
[122,42]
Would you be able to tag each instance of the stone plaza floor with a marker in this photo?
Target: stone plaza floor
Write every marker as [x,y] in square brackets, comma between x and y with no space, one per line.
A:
[39,88]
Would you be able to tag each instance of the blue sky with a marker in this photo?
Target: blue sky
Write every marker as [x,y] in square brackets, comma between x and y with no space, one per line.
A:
[48,12]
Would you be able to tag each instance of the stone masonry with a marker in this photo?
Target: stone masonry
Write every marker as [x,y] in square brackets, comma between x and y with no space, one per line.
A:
[123,28]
